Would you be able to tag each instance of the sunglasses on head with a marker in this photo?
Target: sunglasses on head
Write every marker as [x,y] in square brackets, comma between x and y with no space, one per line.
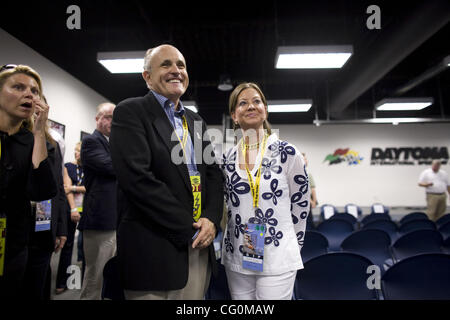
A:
[7,66]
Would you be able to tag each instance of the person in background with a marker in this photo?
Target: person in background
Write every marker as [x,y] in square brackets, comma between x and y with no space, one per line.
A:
[26,173]
[436,183]
[312,185]
[98,222]
[268,202]
[75,190]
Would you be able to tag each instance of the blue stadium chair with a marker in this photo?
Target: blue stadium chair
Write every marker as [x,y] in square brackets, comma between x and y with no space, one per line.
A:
[420,277]
[346,216]
[112,288]
[324,209]
[374,208]
[416,242]
[386,225]
[218,286]
[442,220]
[354,210]
[413,216]
[315,244]
[445,230]
[374,217]
[334,276]
[370,243]
[420,224]
[335,230]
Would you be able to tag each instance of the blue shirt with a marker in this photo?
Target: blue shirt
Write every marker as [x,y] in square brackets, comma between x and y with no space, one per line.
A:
[176,119]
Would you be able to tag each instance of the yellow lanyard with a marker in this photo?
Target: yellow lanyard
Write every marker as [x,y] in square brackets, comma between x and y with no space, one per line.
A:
[254,185]
[195,180]
[185,135]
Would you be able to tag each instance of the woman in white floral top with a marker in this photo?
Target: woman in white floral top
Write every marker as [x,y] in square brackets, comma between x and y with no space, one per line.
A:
[266,188]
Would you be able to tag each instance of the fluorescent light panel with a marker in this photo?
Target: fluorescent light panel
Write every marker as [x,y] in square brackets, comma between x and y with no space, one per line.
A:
[122,62]
[276,106]
[403,104]
[191,105]
[312,57]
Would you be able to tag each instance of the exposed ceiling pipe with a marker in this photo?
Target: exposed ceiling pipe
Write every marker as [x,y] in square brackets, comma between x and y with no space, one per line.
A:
[423,77]
[390,48]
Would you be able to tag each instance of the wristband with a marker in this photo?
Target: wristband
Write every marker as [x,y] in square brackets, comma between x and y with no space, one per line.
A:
[74,210]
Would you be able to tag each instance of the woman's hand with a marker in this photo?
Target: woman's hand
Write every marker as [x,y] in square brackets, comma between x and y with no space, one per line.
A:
[41,115]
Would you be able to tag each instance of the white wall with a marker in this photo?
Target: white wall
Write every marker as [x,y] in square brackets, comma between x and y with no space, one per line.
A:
[71,102]
[365,184]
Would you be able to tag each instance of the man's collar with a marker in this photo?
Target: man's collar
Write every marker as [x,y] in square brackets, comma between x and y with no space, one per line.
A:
[165,103]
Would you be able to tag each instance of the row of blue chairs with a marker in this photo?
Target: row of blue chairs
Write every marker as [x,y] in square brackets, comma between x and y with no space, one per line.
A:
[327,211]
[376,245]
[338,227]
[348,276]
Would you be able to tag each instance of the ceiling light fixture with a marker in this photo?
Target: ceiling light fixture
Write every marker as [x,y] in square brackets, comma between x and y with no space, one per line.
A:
[276,106]
[225,83]
[122,62]
[394,121]
[312,57]
[403,104]
[191,105]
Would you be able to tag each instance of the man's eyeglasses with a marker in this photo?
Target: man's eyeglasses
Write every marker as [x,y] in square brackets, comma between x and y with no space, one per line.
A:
[7,66]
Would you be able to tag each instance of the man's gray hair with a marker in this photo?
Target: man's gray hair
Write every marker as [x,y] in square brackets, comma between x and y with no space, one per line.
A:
[101,106]
[147,59]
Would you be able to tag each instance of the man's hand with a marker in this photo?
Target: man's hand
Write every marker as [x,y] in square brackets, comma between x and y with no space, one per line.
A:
[206,235]
[75,217]
[59,243]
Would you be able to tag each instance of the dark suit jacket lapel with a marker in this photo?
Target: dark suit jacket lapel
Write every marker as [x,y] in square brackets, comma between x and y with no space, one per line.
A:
[165,131]
[103,140]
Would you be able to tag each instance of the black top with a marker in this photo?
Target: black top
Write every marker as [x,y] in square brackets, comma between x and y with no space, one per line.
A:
[75,173]
[20,183]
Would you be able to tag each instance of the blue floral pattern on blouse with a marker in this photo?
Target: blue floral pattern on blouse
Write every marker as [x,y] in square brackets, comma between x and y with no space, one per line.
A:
[274,237]
[274,194]
[264,218]
[229,161]
[268,167]
[301,238]
[239,226]
[234,187]
[281,148]
[228,244]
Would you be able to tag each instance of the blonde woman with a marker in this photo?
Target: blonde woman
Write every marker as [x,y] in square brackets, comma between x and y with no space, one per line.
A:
[267,197]
[25,170]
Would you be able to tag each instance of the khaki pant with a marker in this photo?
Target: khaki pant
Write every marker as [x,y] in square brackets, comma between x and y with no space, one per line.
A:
[198,281]
[99,247]
[436,205]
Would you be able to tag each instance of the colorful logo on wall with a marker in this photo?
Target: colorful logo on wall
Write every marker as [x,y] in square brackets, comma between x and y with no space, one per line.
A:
[344,155]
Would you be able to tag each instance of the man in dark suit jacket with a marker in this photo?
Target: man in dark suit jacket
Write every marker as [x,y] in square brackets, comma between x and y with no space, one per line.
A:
[99,219]
[162,252]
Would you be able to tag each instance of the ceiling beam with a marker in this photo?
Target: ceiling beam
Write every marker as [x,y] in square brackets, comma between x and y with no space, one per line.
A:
[394,44]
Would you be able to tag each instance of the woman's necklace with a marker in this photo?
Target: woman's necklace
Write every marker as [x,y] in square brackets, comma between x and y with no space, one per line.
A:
[251,146]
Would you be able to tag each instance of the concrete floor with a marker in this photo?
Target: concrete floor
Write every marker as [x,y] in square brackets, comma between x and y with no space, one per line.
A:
[68,294]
